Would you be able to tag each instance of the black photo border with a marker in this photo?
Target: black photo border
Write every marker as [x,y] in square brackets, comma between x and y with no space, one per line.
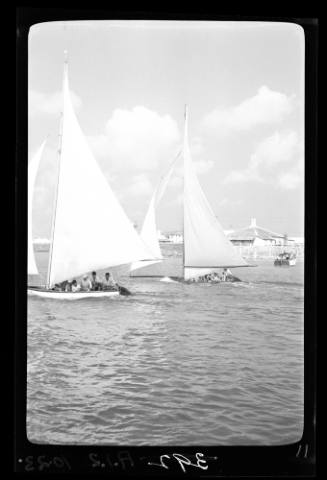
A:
[291,460]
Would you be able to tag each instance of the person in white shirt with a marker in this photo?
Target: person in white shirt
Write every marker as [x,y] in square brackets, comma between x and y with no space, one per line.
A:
[108,282]
[86,284]
[226,274]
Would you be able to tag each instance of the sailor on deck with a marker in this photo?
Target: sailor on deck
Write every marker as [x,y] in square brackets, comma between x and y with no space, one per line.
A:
[96,284]
[75,286]
[226,273]
[86,283]
[215,277]
[108,282]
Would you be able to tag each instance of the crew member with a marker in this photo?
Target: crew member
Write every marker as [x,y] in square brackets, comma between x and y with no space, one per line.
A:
[96,284]
[75,286]
[86,284]
[108,282]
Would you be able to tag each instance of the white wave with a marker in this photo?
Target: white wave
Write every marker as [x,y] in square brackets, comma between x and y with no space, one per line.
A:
[168,280]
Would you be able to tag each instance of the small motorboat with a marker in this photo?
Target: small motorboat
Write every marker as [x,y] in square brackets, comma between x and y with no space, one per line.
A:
[285,259]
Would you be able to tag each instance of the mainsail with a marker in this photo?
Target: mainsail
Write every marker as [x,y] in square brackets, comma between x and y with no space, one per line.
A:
[90,229]
[149,228]
[206,247]
[32,172]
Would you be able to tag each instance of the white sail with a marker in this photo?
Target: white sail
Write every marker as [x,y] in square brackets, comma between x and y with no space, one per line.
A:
[32,172]
[206,247]
[149,228]
[91,230]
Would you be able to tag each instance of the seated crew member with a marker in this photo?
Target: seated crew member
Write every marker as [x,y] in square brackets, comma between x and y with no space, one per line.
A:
[75,286]
[62,285]
[86,284]
[68,287]
[96,284]
[227,275]
[108,282]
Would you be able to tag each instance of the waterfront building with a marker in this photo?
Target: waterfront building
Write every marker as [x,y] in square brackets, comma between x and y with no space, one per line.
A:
[253,235]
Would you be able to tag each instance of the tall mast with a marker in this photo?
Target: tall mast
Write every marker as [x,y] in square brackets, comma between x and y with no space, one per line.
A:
[184,145]
[65,76]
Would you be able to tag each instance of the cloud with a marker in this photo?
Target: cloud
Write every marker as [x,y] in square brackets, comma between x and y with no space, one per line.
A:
[266,107]
[276,149]
[241,176]
[140,185]
[227,201]
[196,146]
[279,152]
[137,139]
[293,178]
[49,103]
[203,166]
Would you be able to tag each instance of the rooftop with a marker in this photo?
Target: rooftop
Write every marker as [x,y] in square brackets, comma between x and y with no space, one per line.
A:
[253,231]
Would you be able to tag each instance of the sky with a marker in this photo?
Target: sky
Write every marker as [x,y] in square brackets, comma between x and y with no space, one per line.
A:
[243,83]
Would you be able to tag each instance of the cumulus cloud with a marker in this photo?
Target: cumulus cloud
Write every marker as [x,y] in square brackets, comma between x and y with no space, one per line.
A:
[279,152]
[227,201]
[293,178]
[137,139]
[266,107]
[200,163]
[278,148]
[196,146]
[49,103]
[203,166]
[139,185]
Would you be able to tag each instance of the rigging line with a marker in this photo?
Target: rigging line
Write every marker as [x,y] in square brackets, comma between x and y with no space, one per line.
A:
[55,204]
[185,132]
[158,191]
[59,152]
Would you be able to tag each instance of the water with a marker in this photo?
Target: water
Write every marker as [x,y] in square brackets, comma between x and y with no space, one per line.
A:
[172,364]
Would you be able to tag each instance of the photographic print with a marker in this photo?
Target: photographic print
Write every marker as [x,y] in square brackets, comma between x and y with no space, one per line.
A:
[165,233]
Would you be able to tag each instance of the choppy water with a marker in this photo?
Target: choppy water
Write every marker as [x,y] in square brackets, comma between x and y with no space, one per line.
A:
[172,364]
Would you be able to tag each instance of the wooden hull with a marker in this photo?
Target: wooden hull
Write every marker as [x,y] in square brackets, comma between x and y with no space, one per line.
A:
[54,295]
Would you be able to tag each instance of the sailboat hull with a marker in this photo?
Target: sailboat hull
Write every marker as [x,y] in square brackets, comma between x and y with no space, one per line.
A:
[190,282]
[52,294]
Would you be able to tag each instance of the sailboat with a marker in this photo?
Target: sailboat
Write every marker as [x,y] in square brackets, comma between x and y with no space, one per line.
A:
[149,228]
[206,247]
[90,230]
[32,172]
